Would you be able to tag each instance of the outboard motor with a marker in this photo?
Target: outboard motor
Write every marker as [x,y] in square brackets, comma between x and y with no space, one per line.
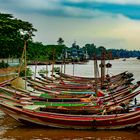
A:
[138,82]
[129,75]
[128,82]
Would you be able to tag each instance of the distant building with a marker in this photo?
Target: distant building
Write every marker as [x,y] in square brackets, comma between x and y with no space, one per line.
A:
[75,53]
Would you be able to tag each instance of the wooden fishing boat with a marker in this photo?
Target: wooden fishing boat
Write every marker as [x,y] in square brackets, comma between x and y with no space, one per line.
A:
[124,89]
[87,78]
[109,100]
[70,108]
[120,94]
[44,97]
[29,101]
[65,109]
[120,80]
[62,82]
[75,77]
[58,88]
[63,86]
[51,95]
[89,108]
[34,115]
[110,96]
[125,99]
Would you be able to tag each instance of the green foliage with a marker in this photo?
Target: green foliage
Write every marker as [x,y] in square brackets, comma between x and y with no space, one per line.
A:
[54,51]
[3,64]
[28,72]
[122,53]
[91,49]
[11,35]
[60,41]
[56,69]
[42,71]
[36,51]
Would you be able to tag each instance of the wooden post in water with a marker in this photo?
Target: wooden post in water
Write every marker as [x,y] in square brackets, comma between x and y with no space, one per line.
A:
[96,73]
[73,68]
[35,69]
[64,66]
[102,65]
[64,61]
[53,62]
[25,62]
[46,70]
[23,55]
[61,70]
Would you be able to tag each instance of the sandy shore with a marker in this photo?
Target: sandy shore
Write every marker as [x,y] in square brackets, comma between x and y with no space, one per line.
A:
[18,82]
[9,70]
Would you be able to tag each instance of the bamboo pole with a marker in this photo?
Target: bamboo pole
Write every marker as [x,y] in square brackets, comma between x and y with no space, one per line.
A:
[73,68]
[65,62]
[25,61]
[64,67]
[102,68]
[53,62]
[35,70]
[23,54]
[61,70]
[46,70]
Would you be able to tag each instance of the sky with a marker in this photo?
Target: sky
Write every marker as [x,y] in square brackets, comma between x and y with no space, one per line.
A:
[108,23]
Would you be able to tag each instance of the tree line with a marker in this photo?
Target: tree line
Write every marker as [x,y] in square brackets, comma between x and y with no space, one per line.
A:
[14,32]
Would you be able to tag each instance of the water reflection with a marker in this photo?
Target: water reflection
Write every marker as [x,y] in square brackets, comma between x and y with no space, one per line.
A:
[13,130]
[20,132]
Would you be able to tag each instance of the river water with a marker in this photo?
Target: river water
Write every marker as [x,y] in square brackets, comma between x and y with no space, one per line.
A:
[12,130]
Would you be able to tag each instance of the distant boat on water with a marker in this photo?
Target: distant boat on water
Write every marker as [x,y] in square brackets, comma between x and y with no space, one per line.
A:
[124,59]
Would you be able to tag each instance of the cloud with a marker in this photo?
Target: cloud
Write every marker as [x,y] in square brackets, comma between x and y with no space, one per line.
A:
[111,32]
[126,8]
[74,8]
[103,22]
[108,1]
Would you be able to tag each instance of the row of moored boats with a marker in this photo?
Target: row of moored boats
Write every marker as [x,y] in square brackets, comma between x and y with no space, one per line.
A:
[73,102]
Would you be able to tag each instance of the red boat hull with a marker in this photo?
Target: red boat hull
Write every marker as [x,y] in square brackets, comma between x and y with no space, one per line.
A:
[73,121]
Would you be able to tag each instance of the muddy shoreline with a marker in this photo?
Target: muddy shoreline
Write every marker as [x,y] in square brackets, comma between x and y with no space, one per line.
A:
[11,69]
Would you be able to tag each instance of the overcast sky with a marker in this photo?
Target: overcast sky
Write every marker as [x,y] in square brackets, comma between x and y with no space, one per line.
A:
[109,23]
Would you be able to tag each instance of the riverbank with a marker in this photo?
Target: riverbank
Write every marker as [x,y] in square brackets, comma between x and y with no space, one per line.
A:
[9,70]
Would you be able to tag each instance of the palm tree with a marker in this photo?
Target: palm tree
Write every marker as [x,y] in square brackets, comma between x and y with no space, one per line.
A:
[60,41]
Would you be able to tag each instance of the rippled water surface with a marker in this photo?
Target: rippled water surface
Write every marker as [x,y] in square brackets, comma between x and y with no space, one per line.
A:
[12,130]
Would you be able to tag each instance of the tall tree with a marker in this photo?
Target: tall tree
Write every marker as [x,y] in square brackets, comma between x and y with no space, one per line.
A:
[11,37]
[60,41]
[91,48]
